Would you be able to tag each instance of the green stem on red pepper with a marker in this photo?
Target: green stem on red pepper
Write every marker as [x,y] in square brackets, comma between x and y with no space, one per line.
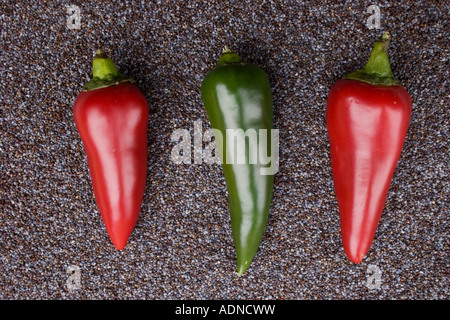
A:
[377,70]
[104,73]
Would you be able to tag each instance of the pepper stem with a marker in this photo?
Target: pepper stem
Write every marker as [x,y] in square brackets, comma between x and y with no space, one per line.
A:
[103,67]
[386,40]
[104,73]
[228,57]
[378,68]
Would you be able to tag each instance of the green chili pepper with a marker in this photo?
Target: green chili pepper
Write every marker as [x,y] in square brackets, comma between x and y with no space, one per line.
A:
[238,100]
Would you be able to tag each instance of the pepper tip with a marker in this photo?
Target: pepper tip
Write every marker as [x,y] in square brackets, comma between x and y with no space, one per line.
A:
[119,242]
[242,267]
[355,257]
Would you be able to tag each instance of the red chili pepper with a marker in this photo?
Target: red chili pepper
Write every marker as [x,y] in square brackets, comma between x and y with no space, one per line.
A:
[368,114]
[111,115]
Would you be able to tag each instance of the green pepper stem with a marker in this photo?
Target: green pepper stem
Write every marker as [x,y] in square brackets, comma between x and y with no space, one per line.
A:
[386,40]
[378,62]
[103,67]
[104,73]
[378,68]
[228,57]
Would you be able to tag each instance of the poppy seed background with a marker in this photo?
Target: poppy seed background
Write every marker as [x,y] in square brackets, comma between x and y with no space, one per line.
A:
[181,247]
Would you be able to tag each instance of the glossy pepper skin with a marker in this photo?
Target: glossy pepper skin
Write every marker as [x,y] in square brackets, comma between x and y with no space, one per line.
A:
[237,95]
[111,115]
[368,114]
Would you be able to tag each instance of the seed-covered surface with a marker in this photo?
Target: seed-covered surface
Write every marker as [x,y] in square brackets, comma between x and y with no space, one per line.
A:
[181,248]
